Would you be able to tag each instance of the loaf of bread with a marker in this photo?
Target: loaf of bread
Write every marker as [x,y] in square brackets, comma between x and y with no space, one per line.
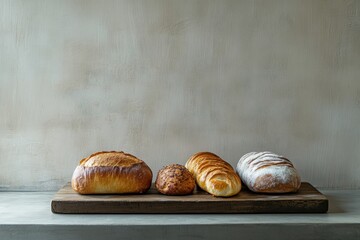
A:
[175,179]
[111,173]
[266,172]
[214,175]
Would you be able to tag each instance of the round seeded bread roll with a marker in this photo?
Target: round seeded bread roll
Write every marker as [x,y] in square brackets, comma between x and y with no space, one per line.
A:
[111,173]
[175,179]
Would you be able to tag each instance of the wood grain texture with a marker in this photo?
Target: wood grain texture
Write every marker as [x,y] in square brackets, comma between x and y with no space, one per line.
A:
[307,200]
[163,79]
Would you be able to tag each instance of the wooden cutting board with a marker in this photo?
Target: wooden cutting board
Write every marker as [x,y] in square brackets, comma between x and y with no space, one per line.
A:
[306,200]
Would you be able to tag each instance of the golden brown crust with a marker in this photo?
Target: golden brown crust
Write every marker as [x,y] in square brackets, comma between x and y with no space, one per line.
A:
[111,173]
[111,158]
[175,179]
[213,174]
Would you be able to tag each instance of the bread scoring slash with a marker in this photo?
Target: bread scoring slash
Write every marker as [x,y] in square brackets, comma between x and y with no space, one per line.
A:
[213,174]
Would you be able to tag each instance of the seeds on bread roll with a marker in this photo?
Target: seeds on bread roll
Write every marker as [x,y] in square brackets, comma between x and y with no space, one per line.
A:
[111,173]
[175,179]
[213,174]
[267,172]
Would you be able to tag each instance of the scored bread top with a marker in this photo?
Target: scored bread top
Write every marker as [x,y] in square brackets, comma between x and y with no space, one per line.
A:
[268,172]
[110,159]
[213,174]
[202,160]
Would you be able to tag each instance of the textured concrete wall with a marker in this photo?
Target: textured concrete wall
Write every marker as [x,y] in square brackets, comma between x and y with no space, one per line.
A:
[165,79]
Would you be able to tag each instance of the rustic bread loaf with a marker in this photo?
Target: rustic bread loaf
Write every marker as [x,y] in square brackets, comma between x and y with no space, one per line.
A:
[175,179]
[267,172]
[111,172]
[213,174]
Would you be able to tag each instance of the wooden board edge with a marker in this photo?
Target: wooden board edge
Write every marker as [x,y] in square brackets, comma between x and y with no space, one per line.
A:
[59,206]
[71,207]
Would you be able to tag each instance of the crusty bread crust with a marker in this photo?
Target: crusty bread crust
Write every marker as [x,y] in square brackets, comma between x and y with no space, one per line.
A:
[213,174]
[266,172]
[111,173]
[175,179]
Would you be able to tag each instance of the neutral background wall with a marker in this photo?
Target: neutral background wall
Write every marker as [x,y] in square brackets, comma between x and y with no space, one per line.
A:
[165,79]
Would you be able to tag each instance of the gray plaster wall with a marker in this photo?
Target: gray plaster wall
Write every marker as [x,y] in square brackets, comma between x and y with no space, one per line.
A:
[165,79]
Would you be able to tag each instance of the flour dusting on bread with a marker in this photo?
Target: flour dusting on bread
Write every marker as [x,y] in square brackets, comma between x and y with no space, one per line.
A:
[268,172]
